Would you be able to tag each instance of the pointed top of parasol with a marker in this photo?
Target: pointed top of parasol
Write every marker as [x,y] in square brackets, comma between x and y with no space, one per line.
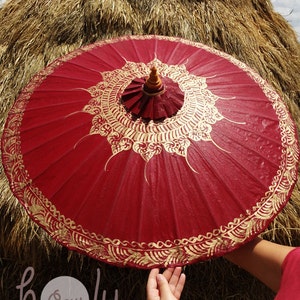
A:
[153,83]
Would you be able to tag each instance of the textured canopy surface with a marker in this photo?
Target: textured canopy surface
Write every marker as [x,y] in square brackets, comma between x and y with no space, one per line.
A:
[150,179]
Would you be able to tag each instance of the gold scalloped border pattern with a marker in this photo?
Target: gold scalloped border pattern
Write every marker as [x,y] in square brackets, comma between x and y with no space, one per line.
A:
[194,121]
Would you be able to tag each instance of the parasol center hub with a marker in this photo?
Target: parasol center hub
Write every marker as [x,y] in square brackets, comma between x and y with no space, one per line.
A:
[151,98]
[153,84]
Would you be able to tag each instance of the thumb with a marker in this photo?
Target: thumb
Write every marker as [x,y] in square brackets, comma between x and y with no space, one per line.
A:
[163,286]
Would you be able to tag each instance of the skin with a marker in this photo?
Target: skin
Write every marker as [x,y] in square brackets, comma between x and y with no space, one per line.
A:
[262,259]
[165,286]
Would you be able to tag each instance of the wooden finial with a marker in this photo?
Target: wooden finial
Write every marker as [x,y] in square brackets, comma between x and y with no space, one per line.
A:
[153,82]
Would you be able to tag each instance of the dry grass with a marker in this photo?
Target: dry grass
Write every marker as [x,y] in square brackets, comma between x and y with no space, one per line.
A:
[33,33]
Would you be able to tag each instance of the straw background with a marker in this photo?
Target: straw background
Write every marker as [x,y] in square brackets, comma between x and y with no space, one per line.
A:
[34,32]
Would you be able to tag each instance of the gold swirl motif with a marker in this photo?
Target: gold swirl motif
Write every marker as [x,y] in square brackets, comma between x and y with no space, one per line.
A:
[193,121]
[147,255]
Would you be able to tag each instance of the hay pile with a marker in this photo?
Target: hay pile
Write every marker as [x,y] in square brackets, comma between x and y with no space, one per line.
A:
[33,33]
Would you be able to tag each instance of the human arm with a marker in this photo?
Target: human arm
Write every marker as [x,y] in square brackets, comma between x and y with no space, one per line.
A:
[166,286]
[263,259]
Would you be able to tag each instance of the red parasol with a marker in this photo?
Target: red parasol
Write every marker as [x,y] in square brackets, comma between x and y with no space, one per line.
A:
[150,151]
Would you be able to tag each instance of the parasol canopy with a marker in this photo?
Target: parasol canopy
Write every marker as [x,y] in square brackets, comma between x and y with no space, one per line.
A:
[150,151]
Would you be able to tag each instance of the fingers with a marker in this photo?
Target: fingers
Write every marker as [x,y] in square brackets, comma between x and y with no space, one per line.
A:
[172,275]
[175,276]
[168,285]
[164,288]
[179,286]
[152,291]
[168,273]
[172,280]
[152,283]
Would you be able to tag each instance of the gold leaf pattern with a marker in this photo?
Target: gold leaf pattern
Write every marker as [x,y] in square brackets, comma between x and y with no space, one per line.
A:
[194,120]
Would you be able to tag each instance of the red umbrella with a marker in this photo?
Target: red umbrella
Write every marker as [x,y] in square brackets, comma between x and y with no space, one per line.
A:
[150,151]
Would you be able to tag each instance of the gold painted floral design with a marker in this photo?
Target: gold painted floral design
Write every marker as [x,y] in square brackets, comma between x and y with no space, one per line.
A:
[194,121]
